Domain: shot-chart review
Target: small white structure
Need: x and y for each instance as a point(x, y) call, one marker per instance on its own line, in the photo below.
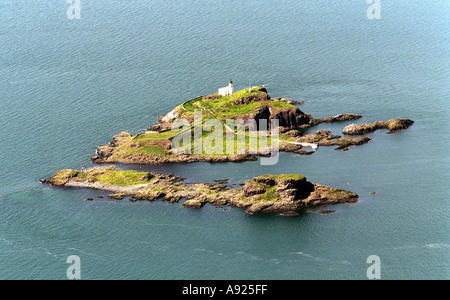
point(228, 90)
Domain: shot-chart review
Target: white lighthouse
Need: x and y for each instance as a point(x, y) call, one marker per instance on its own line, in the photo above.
point(228, 90)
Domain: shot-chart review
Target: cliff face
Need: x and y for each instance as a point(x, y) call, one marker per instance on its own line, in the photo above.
point(290, 118)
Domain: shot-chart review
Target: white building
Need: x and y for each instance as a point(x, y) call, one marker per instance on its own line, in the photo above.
point(228, 90)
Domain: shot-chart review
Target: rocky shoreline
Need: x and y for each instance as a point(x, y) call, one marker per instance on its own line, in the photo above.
point(265, 194)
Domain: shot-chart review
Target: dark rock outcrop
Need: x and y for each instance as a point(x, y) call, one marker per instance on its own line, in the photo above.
point(289, 118)
point(261, 113)
point(394, 125)
point(304, 152)
point(294, 187)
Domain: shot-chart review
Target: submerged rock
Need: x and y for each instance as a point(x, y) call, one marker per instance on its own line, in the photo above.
point(289, 214)
point(303, 152)
point(345, 143)
point(194, 204)
point(326, 211)
point(396, 125)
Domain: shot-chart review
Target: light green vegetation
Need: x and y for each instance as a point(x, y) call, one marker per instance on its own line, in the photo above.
point(269, 193)
point(285, 177)
point(156, 135)
point(115, 177)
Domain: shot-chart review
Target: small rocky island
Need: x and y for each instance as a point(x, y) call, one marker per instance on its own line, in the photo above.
point(154, 146)
point(265, 194)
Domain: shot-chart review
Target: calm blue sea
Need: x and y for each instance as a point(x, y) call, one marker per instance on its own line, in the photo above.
point(67, 86)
